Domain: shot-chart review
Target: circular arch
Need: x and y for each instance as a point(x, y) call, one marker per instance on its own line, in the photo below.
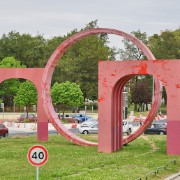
point(49, 69)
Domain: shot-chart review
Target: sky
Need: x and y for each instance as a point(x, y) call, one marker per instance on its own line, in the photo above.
point(58, 17)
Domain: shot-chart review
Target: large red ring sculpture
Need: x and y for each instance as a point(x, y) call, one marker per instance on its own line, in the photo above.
point(49, 69)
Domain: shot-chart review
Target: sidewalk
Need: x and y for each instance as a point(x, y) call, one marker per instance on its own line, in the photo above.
point(174, 177)
point(29, 127)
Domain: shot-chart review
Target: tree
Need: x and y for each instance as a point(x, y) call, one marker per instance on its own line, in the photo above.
point(131, 51)
point(66, 94)
point(80, 63)
point(165, 46)
point(26, 95)
point(141, 94)
point(24, 47)
point(9, 88)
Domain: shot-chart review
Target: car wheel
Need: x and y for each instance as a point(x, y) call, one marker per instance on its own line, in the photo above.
point(161, 133)
point(85, 132)
point(6, 135)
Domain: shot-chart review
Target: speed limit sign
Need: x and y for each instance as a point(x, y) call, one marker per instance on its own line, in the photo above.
point(37, 155)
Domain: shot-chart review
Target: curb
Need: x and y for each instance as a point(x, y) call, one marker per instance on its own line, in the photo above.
point(174, 177)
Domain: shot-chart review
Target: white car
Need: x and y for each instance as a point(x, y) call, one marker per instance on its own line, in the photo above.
point(93, 128)
point(126, 127)
point(88, 122)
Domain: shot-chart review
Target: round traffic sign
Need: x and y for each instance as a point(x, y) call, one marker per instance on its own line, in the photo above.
point(37, 155)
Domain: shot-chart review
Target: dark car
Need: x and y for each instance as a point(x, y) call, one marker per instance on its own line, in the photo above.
point(27, 118)
point(68, 118)
point(161, 121)
point(3, 130)
point(156, 129)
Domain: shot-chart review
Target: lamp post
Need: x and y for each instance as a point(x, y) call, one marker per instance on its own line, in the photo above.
point(2, 106)
point(125, 104)
point(85, 108)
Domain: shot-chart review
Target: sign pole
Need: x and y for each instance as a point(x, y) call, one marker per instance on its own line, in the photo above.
point(37, 156)
point(37, 172)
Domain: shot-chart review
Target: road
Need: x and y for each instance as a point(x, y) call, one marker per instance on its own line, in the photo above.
point(31, 128)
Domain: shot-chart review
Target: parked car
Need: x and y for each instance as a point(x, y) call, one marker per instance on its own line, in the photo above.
point(81, 117)
point(127, 128)
point(156, 129)
point(68, 118)
point(29, 118)
point(93, 128)
point(88, 122)
point(161, 121)
point(3, 130)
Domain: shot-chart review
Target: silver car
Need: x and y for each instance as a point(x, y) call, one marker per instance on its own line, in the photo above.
point(88, 122)
point(92, 129)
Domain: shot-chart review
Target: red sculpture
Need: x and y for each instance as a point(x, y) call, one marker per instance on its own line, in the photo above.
point(112, 79)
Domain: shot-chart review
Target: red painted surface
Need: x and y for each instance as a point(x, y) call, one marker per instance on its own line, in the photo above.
point(111, 127)
point(35, 76)
point(110, 110)
point(112, 78)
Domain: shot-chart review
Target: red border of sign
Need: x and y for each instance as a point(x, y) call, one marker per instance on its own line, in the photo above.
point(46, 155)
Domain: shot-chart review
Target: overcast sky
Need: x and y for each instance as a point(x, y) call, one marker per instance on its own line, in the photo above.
point(58, 17)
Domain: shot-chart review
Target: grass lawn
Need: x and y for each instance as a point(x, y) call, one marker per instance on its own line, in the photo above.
point(69, 161)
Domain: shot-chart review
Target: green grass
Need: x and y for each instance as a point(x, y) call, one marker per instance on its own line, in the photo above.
point(72, 162)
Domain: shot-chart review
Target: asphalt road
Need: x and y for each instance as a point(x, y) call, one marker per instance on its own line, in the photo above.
point(27, 130)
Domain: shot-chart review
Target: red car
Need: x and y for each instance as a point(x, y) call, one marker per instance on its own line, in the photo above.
point(3, 130)
point(29, 118)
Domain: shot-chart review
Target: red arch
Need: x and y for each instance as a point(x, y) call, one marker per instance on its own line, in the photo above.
point(49, 69)
point(32, 74)
point(35, 76)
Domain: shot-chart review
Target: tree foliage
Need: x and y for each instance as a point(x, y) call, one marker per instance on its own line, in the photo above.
point(131, 51)
point(80, 63)
point(141, 93)
point(26, 95)
point(166, 45)
point(66, 94)
point(28, 49)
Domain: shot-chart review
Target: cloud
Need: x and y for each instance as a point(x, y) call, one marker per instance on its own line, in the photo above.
point(54, 17)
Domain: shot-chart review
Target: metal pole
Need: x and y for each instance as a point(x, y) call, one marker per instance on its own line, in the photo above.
point(37, 172)
point(85, 112)
point(124, 113)
point(25, 115)
point(3, 114)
